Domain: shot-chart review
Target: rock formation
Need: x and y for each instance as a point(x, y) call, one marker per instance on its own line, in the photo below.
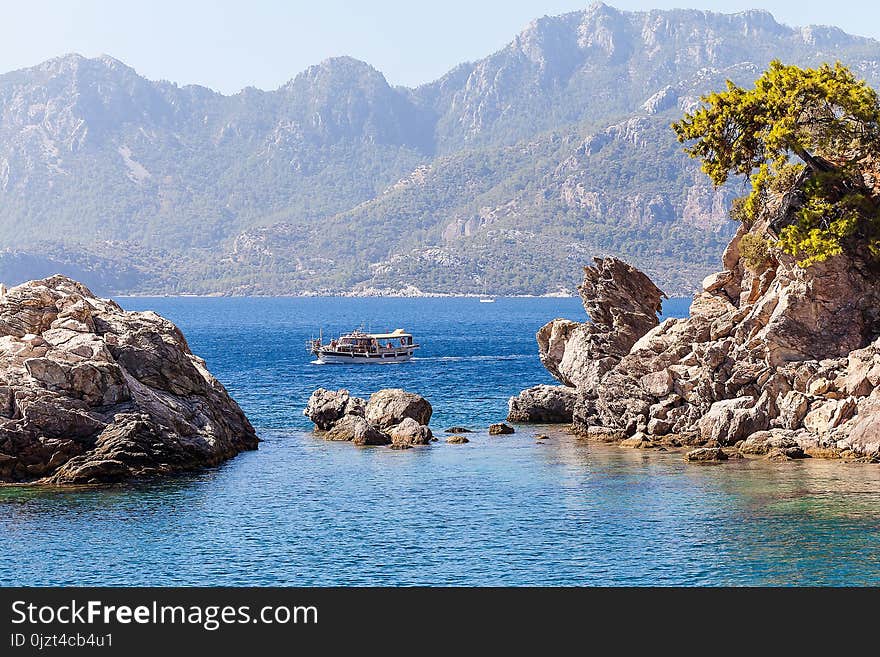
point(543, 403)
point(392, 417)
point(622, 304)
point(91, 393)
point(500, 429)
point(784, 358)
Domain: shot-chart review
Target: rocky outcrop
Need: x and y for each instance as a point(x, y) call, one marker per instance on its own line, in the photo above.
point(392, 417)
point(408, 433)
point(622, 304)
point(326, 407)
point(543, 404)
point(782, 357)
point(91, 393)
point(392, 406)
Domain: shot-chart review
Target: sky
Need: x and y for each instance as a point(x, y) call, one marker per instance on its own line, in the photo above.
point(227, 45)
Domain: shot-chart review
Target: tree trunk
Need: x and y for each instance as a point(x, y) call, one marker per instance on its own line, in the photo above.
point(816, 163)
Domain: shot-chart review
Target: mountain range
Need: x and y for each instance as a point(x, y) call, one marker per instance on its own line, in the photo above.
point(504, 176)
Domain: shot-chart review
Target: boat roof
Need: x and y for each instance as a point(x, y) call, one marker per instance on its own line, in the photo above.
point(397, 333)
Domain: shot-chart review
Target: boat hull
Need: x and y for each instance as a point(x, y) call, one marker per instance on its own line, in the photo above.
point(343, 358)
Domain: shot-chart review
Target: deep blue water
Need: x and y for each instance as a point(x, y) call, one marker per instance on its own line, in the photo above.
point(301, 511)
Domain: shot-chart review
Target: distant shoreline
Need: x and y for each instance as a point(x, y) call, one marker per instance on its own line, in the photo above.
point(330, 295)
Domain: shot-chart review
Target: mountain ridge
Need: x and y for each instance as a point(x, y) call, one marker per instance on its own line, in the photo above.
point(499, 174)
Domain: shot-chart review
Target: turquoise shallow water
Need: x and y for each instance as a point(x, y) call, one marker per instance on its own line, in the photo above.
point(497, 511)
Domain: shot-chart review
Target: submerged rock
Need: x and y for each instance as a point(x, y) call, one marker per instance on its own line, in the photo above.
point(500, 429)
point(91, 393)
point(458, 430)
point(706, 454)
point(543, 404)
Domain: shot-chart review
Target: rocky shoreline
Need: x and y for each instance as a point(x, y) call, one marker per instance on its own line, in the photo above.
point(775, 359)
point(90, 393)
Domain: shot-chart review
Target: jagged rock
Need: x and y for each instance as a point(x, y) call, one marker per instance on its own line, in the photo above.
point(658, 384)
point(622, 304)
point(357, 430)
point(603, 434)
point(500, 429)
point(703, 454)
point(829, 414)
point(366, 434)
point(457, 439)
point(717, 281)
point(552, 339)
point(92, 393)
point(792, 409)
point(391, 417)
point(343, 428)
point(458, 430)
point(730, 420)
point(864, 438)
point(389, 407)
point(409, 432)
point(786, 453)
point(543, 403)
point(326, 407)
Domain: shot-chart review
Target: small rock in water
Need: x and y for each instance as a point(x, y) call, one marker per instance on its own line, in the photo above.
point(457, 440)
point(409, 432)
point(499, 429)
point(706, 454)
point(458, 430)
point(541, 436)
point(786, 454)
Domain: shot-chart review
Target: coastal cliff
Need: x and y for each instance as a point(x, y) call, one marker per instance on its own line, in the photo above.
point(775, 358)
point(90, 393)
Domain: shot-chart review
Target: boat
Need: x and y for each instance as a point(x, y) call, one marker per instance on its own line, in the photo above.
point(361, 347)
point(487, 300)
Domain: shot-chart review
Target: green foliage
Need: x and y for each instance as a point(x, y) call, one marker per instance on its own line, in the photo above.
point(790, 111)
point(836, 212)
point(824, 116)
point(755, 251)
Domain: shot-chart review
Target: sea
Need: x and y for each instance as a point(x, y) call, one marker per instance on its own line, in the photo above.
point(506, 510)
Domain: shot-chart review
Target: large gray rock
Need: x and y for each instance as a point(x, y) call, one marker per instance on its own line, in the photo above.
point(543, 403)
point(392, 406)
point(92, 393)
point(326, 407)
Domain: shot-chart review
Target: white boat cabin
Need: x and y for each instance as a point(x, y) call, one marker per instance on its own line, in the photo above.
point(360, 347)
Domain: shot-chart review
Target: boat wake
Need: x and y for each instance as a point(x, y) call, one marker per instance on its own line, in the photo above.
point(480, 357)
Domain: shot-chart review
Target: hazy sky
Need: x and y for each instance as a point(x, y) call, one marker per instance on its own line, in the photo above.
point(227, 45)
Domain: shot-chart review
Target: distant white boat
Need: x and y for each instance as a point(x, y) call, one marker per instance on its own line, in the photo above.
point(487, 300)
